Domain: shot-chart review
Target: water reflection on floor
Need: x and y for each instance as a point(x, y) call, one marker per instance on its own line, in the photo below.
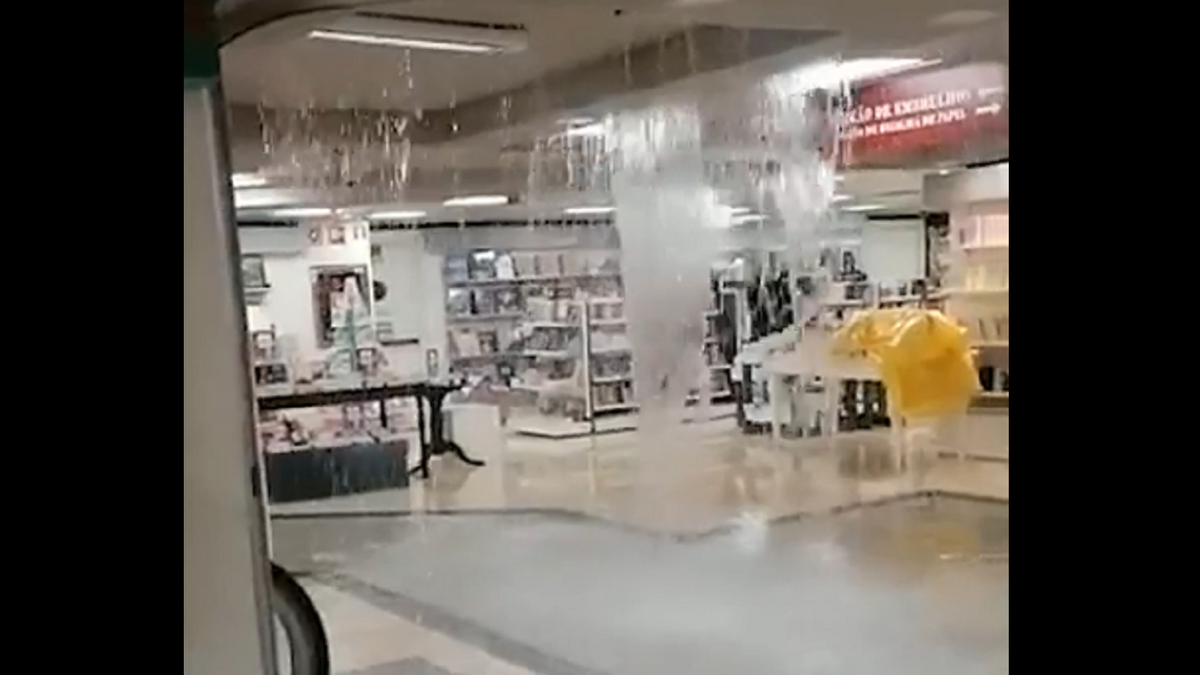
point(914, 586)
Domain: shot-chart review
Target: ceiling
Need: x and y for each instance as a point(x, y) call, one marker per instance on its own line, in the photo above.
point(353, 125)
point(286, 71)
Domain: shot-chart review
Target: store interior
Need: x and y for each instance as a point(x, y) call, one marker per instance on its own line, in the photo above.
point(594, 270)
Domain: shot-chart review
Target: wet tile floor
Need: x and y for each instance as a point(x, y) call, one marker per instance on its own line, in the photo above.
point(916, 586)
point(752, 558)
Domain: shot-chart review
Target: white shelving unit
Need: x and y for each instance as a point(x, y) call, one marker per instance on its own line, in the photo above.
point(603, 368)
point(977, 292)
point(488, 296)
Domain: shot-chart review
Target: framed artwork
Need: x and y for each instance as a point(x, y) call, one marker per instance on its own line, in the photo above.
point(338, 290)
point(254, 273)
point(337, 234)
point(314, 235)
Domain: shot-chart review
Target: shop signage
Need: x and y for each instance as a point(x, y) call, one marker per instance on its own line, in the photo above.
point(944, 114)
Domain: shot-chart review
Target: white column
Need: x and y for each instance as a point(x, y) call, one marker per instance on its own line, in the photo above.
point(227, 627)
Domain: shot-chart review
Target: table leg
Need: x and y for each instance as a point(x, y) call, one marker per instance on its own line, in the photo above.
point(437, 433)
point(421, 470)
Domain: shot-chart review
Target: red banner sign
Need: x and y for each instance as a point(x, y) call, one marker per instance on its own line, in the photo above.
point(929, 116)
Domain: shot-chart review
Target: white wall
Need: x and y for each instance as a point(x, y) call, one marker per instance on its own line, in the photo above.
point(287, 263)
point(288, 303)
point(415, 302)
point(893, 250)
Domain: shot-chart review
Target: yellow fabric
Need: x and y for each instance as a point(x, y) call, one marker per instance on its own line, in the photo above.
point(922, 355)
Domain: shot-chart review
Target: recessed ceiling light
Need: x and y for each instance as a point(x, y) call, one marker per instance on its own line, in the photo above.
point(396, 215)
point(943, 172)
point(302, 212)
point(862, 207)
point(589, 210)
point(477, 200)
point(248, 180)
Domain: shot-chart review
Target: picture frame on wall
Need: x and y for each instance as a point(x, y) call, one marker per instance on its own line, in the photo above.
point(314, 235)
point(337, 235)
point(330, 284)
point(254, 273)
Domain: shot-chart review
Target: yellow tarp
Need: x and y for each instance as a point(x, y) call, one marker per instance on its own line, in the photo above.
point(923, 357)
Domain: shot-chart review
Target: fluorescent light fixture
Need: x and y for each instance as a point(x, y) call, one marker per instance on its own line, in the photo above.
point(840, 198)
point(862, 207)
point(396, 215)
point(248, 180)
point(407, 43)
point(302, 212)
point(589, 210)
point(739, 210)
point(747, 218)
point(593, 129)
point(477, 200)
point(416, 33)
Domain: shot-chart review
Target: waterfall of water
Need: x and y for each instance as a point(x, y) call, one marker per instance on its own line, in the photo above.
point(669, 221)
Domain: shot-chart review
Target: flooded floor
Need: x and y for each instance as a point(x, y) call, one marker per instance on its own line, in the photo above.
point(914, 585)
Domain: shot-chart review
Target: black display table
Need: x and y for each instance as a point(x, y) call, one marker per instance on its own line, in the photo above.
point(431, 393)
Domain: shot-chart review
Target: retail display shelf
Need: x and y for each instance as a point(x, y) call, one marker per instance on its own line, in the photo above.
point(977, 268)
point(609, 379)
point(532, 279)
point(549, 354)
point(551, 386)
point(484, 318)
point(610, 350)
point(489, 356)
point(611, 407)
point(900, 299)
